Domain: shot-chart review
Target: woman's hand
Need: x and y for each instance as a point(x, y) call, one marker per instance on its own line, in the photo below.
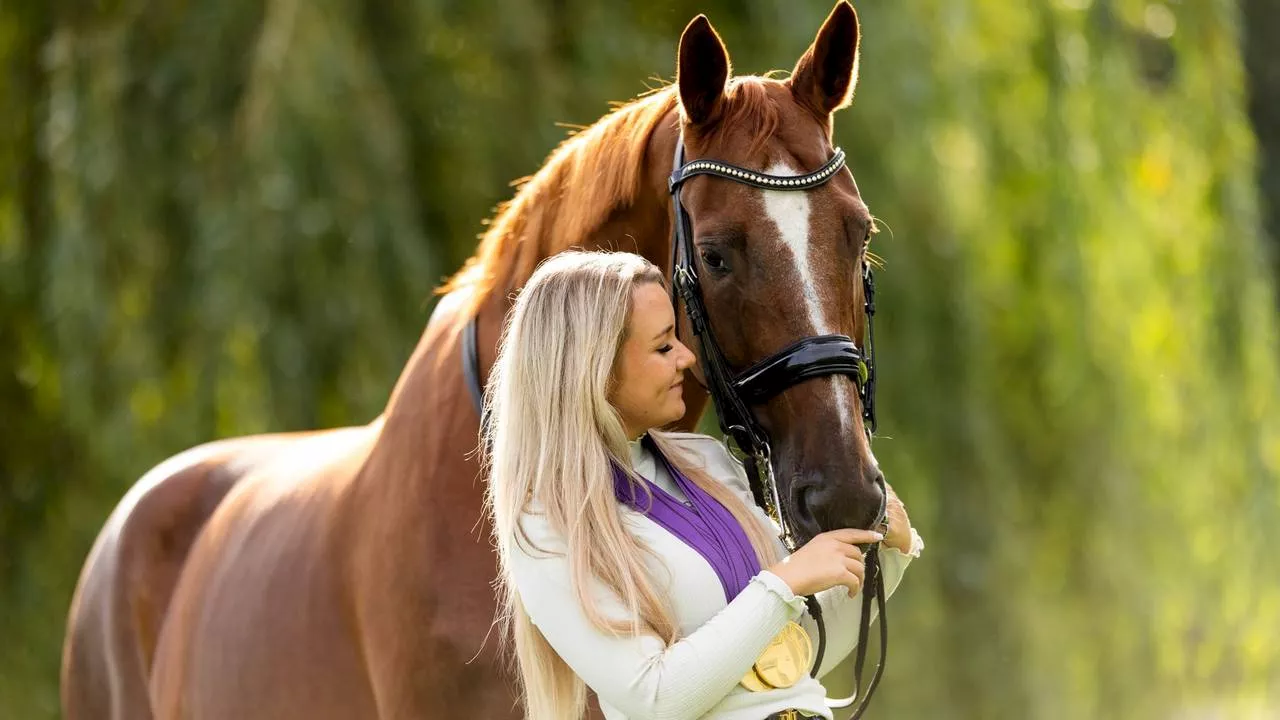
point(830, 559)
point(899, 535)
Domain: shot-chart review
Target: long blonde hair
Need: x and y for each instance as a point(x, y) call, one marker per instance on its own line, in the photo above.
point(549, 442)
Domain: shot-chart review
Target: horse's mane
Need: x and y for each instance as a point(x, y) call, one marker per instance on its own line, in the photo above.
point(588, 176)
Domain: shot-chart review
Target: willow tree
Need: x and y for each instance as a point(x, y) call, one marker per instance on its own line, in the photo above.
point(221, 218)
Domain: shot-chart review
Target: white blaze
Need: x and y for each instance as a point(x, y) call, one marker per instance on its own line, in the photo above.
point(789, 211)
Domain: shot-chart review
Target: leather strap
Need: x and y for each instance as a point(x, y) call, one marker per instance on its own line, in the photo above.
point(471, 366)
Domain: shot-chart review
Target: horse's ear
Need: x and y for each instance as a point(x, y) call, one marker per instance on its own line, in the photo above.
point(826, 74)
point(702, 71)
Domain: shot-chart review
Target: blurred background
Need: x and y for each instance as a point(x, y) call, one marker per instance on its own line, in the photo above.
point(220, 218)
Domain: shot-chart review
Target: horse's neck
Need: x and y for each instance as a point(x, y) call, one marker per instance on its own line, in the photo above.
point(643, 228)
point(431, 401)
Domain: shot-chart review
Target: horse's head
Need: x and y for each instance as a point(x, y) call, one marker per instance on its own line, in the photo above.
point(774, 266)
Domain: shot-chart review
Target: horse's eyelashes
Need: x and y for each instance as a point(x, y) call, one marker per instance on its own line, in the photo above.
point(858, 227)
point(713, 260)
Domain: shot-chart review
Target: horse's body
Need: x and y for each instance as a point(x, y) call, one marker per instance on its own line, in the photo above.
point(347, 573)
point(298, 574)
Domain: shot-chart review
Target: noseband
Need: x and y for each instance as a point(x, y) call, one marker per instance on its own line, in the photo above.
point(735, 392)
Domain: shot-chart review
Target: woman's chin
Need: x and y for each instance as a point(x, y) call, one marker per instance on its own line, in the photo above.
point(677, 410)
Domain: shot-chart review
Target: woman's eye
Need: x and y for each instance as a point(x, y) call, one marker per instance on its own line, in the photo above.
point(665, 349)
point(713, 260)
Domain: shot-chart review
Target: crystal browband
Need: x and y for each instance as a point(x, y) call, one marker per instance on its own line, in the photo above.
point(751, 177)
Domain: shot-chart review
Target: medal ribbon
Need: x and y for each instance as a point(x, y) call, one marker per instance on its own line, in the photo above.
point(707, 527)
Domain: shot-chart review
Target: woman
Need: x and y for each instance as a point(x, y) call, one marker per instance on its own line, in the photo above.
point(630, 558)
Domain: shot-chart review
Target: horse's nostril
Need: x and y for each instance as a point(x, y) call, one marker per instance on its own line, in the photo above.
point(803, 503)
point(804, 508)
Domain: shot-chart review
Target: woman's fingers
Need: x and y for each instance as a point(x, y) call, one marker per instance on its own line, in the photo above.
point(851, 551)
point(856, 567)
point(853, 536)
point(854, 583)
point(854, 571)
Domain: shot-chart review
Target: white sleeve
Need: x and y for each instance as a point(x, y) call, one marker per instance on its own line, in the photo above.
point(642, 676)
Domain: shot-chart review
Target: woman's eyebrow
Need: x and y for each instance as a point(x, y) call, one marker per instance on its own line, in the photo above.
point(665, 330)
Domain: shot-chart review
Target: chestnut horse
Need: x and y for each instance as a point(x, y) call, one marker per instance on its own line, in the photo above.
point(347, 573)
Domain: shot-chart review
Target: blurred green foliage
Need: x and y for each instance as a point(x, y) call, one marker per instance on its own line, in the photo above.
point(219, 218)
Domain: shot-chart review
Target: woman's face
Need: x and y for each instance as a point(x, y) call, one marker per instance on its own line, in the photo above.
point(649, 371)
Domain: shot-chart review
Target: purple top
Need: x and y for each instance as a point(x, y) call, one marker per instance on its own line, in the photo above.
point(706, 527)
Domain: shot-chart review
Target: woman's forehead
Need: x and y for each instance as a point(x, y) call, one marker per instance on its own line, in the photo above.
point(650, 311)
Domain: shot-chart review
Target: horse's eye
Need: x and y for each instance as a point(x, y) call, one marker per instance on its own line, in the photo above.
point(713, 260)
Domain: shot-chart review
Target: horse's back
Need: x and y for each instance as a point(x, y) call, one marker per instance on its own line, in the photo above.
point(127, 581)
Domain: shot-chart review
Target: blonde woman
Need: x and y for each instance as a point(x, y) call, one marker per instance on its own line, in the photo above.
point(631, 558)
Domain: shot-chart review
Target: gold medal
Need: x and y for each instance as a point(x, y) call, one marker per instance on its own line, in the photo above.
point(752, 681)
point(783, 662)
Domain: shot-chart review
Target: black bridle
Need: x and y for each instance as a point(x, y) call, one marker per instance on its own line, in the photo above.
point(735, 393)
point(810, 357)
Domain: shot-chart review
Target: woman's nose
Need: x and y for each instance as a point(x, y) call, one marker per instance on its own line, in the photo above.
point(686, 356)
